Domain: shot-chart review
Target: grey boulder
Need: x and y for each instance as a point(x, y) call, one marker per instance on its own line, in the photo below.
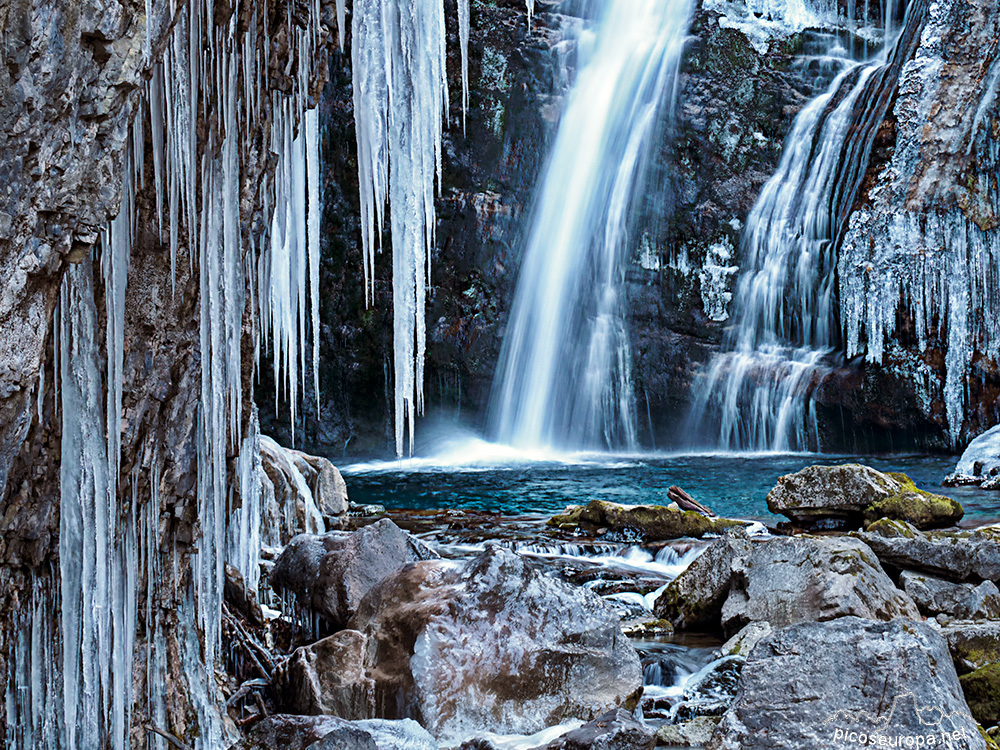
point(782, 581)
point(824, 684)
point(615, 730)
point(965, 601)
point(329, 574)
point(954, 555)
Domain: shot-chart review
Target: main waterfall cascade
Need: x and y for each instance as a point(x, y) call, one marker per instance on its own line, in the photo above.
point(785, 329)
point(564, 377)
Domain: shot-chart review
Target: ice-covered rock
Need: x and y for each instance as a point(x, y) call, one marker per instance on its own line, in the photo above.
point(494, 646)
point(298, 491)
point(782, 581)
point(327, 677)
point(329, 574)
point(980, 462)
point(614, 730)
point(810, 685)
point(964, 601)
point(290, 732)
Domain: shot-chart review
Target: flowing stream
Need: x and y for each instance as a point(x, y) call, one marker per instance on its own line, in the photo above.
point(564, 378)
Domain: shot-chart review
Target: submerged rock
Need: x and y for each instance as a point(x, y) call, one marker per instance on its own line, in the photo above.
point(649, 522)
point(954, 555)
point(840, 497)
point(330, 573)
point(289, 732)
point(810, 685)
point(782, 581)
point(492, 645)
point(935, 596)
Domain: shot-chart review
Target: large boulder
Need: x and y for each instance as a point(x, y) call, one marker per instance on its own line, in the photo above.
point(327, 677)
point(491, 645)
point(825, 684)
point(954, 555)
point(782, 581)
point(934, 596)
point(289, 732)
point(649, 522)
point(850, 495)
point(328, 574)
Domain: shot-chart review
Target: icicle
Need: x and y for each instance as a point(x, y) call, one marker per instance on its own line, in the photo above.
point(531, 11)
point(342, 21)
point(463, 36)
point(313, 168)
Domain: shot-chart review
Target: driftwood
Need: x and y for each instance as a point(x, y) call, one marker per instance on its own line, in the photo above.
point(260, 656)
point(168, 737)
point(686, 502)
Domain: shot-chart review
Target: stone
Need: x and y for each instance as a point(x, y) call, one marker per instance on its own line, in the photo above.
point(982, 691)
point(648, 522)
point(956, 556)
point(239, 598)
point(493, 645)
point(980, 461)
point(972, 644)
point(694, 733)
point(810, 684)
point(744, 641)
point(614, 730)
point(694, 599)
point(327, 677)
point(291, 493)
point(330, 573)
point(290, 732)
point(964, 601)
point(842, 497)
point(782, 580)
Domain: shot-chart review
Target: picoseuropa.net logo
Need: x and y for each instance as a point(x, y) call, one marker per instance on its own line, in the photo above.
point(907, 724)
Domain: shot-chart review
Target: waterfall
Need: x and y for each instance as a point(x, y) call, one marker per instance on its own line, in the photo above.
point(757, 393)
point(564, 375)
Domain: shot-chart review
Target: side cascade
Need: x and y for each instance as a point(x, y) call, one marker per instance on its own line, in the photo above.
point(758, 393)
point(565, 371)
point(927, 250)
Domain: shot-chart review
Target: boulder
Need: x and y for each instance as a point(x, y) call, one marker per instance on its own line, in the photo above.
point(711, 690)
point(694, 599)
point(240, 598)
point(327, 677)
point(973, 644)
point(493, 645)
point(823, 684)
point(781, 581)
point(694, 733)
point(288, 732)
point(328, 574)
point(744, 641)
point(289, 494)
point(846, 496)
point(980, 462)
point(964, 601)
point(614, 730)
point(982, 691)
point(649, 522)
point(954, 555)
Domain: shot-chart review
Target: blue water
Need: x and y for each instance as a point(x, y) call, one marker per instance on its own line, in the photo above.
point(731, 485)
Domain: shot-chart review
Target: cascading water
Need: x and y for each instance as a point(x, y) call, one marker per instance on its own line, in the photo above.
point(564, 376)
point(758, 392)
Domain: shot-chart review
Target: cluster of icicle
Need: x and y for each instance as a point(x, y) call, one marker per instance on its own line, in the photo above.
point(940, 263)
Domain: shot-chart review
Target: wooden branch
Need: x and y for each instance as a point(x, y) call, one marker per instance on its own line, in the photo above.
point(686, 502)
point(168, 737)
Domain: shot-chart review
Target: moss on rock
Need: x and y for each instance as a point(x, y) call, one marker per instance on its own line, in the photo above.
point(982, 692)
point(650, 522)
point(923, 509)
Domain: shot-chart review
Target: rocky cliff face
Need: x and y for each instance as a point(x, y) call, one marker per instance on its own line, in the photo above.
point(89, 130)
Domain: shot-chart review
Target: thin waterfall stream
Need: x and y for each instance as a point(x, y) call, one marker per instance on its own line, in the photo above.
point(757, 393)
point(564, 378)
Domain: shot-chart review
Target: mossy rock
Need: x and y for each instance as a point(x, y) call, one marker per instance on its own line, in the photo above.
point(924, 510)
point(982, 692)
point(650, 522)
point(892, 529)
